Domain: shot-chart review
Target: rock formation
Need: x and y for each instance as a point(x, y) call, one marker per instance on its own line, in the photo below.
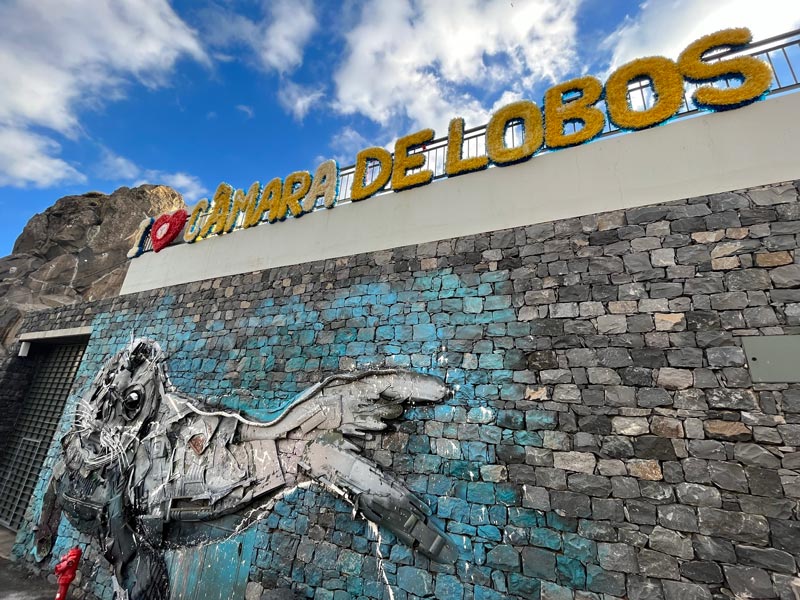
point(75, 251)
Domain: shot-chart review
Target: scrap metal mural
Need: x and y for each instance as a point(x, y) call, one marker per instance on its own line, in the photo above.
point(143, 462)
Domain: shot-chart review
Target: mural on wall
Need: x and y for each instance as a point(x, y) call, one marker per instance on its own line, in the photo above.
point(142, 461)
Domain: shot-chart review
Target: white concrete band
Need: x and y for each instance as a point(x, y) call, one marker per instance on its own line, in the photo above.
point(747, 147)
point(40, 336)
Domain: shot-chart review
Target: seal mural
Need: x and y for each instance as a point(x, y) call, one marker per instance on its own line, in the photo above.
point(143, 463)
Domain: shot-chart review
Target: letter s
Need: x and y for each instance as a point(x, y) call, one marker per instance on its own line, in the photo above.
point(755, 76)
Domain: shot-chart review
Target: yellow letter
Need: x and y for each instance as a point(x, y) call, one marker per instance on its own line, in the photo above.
point(294, 187)
point(243, 204)
point(667, 84)
point(325, 185)
point(192, 231)
point(404, 162)
point(257, 210)
point(220, 208)
point(532, 133)
point(454, 163)
point(755, 75)
point(557, 112)
point(362, 190)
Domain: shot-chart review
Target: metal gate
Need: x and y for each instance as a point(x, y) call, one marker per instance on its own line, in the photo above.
point(35, 426)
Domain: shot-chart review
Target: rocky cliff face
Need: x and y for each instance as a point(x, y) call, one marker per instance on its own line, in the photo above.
point(74, 251)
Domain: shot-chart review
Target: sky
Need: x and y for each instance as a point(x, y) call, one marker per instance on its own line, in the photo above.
point(102, 94)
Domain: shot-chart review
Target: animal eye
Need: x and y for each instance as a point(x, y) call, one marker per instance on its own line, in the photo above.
point(132, 403)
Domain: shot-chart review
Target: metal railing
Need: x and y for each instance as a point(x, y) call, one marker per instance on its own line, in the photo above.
point(781, 53)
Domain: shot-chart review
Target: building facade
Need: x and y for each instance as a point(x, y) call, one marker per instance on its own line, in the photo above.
point(610, 433)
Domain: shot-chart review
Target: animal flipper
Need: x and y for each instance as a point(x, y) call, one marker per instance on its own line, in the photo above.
point(331, 460)
point(138, 567)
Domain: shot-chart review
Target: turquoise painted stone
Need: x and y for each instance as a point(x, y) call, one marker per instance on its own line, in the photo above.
point(415, 581)
point(462, 529)
point(579, 547)
point(527, 587)
point(508, 494)
point(525, 517)
point(503, 557)
point(449, 586)
point(483, 493)
point(546, 538)
point(455, 509)
point(485, 593)
point(490, 532)
point(570, 572)
point(556, 521)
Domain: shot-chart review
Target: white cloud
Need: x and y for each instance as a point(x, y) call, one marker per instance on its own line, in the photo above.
point(422, 60)
point(665, 27)
point(346, 144)
point(57, 58)
point(120, 169)
point(29, 158)
point(277, 39)
point(246, 110)
point(117, 168)
point(298, 99)
point(190, 187)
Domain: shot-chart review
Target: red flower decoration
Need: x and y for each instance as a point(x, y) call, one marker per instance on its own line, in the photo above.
point(166, 228)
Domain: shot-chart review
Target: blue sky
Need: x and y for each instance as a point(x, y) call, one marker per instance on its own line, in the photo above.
point(96, 95)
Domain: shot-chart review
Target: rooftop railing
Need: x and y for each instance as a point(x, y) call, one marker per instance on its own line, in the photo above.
point(781, 53)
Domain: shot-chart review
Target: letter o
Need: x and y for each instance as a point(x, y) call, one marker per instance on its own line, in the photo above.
point(668, 90)
point(533, 133)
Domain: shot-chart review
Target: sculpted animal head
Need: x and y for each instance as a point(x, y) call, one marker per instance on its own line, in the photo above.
point(111, 418)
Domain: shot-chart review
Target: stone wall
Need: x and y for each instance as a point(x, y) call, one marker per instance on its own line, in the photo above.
point(604, 439)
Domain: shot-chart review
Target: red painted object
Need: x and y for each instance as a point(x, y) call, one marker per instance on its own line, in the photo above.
point(65, 571)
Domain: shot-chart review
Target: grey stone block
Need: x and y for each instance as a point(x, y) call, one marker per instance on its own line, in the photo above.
point(702, 571)
point(758, 279)
point(716, 549)
point(767, 558)
point(725, 356)
point(640, 512)
point(671, 542)
point(764, 482)
point(657, 491)
point(539, 563)
point(732, 399)
point(728, 476)
point(677, 517)
point(785, 535)
point(591, 485)
point(654, 447)
point(604, 582)
point(553, 591)
point(749, 582)
point(696, 494)
point(674, 590)
point(733, 525)
point(570, 504)
point(608, 509)
point(658, 564)
point(617, 557)
point(785, 277)
point(644, 589)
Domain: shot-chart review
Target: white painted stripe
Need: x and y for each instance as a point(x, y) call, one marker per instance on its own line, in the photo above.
point(55, 333)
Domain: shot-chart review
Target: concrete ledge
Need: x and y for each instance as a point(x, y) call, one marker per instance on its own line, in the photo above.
point(39, 336)
point(712, 153)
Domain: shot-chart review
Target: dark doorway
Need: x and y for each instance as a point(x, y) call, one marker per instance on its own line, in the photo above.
point(35, 426)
